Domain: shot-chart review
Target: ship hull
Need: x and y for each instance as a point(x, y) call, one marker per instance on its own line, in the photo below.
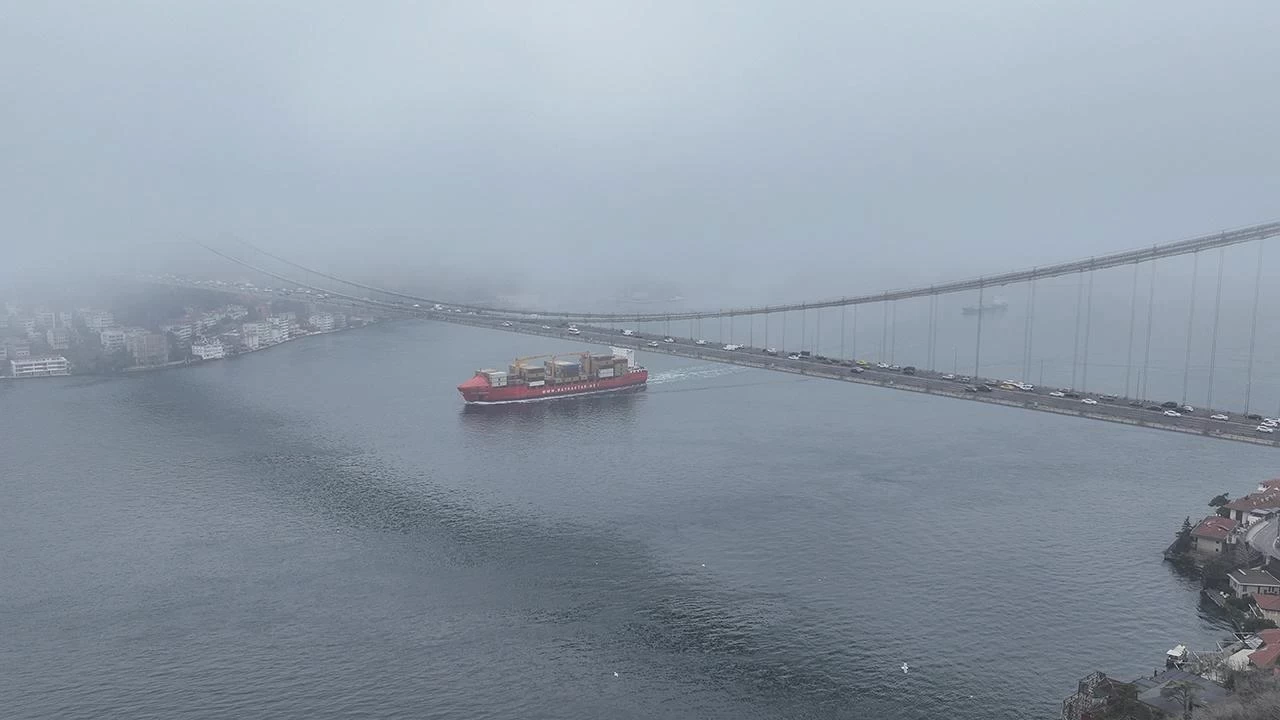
point(477, 394)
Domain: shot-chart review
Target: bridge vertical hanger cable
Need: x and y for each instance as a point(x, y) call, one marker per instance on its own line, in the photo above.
point(1026, 336)
point(928, 361)
point(1075, 352)
point(766, 329)
point(1213, 343)
point(884, 332)
point(1145, 379)
point(933, 354)
point(1191, 316)
point(751, 331)
point(977, 345)
point(1133, 309)
point(784, 332)
point(731, 317)
point(817, 336)
point(1253, 331)
point(893, 333)
point(804, 321)
point(844, 314)
point(855, 332)
point(1088, 320)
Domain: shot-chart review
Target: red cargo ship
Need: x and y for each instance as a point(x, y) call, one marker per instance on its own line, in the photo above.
point(563, 375)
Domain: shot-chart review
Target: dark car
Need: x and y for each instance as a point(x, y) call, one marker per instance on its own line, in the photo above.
point(1108, 398)
point(965, 379)
point(1254, 416)
point(1135, 403)
point(909, 370)
point(984, 388)
point(856, 370)
point(1171, 405)
point(970, 388)
point(1071, 394)
point(1155, 407)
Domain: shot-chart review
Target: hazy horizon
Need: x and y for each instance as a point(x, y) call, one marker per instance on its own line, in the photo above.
point(758, 152)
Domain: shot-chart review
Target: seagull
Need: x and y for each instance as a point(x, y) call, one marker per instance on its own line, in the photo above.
point(615, 673)
point(905, 668)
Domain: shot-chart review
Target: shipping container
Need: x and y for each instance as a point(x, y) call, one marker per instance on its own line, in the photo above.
point(605, 373)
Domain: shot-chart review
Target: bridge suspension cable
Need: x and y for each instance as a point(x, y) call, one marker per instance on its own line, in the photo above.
point(1193, 245)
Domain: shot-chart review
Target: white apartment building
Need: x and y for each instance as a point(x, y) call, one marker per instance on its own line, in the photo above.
point(40, 367)
point(322, 322)
point(208, 350)
point(58, 338)
point(112, 340)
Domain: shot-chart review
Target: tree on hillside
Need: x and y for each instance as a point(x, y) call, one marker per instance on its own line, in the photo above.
point(1183, 541)
point(1219, 500)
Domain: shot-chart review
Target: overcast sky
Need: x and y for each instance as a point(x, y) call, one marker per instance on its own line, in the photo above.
point(769, 148)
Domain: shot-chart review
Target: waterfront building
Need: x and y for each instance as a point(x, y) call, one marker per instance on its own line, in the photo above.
point(208, 350)
point(112, 340)
point(182, 331)
point(1253, 582)
point(1256, 506)
point(58, 338)
point(1269, 607)
point(1211, 535)
point(147, 348)
point(39, 367)
point(322, 322)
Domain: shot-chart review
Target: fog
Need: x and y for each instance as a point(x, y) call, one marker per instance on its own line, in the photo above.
point(728, 151)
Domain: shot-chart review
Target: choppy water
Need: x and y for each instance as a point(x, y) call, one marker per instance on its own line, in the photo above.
point(321, 531)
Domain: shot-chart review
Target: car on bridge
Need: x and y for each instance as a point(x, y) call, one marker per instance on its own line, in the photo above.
point(506, 323)
point(668, 339)
point(1089, 401)
point(1219, 416)
point(1172, 413)
point(699, 342)
point(771, 351)
point(1057, 393)
point(652, 343)
point(1265, 429)
point(629, 333)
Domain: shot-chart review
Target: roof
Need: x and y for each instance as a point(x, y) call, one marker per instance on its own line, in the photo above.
point(1269, 498)
point(1207, 692)
point(1270, 603)
point(1214, 527)
point(1270, 651)
point(1268, 484)
point(1253, 577)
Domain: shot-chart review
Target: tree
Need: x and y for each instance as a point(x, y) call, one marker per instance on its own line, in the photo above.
point(1219, 500)
point(1183, 541)
point(1183, 692)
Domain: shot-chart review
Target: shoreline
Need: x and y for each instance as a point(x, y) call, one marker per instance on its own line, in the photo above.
point(193, 362)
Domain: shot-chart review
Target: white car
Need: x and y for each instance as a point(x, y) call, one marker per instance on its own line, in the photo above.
point(699, 342)
point(506, 323)
point(668, 339)
point(1057, 393)
point(652, 343)
point(1172, 413)
point(882, 365)
point(771, 351)
point(1265, 429)
point(1270, 421)
point(732, 347)
point(1188, 409)
point(546, 327)
point(1219, 416)
point(574, 331)
point(793, 356)
point(949, 376)
point(629, 333)
point(1089, 401)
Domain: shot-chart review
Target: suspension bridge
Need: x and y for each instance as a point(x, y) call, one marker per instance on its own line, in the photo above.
point(791, 337)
